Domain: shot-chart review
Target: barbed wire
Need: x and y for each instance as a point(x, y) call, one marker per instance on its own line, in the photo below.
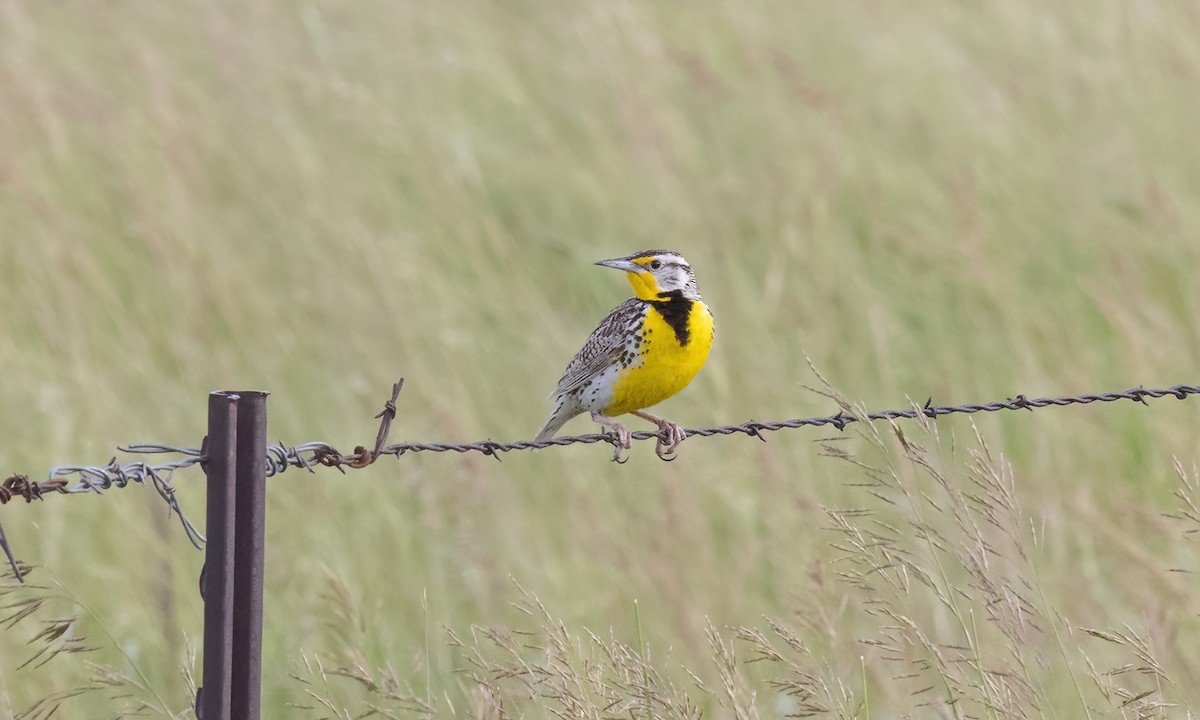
point(319, 453)
point(309, 455)
point(97, 478)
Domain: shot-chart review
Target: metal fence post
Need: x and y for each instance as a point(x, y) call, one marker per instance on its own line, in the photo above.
point(248, 559)
point(216, 579)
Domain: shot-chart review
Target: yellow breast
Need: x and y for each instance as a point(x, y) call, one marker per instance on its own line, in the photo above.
point(667, 365)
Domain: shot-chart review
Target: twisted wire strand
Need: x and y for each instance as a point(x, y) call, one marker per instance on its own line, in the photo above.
point(98, 478)
point(309, 455)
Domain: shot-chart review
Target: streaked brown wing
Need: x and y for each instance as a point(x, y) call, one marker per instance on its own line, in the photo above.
point(603, 346)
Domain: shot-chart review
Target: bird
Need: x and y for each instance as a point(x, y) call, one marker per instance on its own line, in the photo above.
point(646, 350)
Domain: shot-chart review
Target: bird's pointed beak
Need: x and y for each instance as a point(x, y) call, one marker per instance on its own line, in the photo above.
point(621, 264)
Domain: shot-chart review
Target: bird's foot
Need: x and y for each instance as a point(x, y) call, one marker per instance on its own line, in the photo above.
point(621, 441)
point(618, 435)
point(670, 435)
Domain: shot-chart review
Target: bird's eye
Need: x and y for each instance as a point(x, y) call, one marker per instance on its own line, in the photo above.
point(655, 264)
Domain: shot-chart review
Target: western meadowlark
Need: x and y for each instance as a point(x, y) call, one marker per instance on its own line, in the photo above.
point(646, 350)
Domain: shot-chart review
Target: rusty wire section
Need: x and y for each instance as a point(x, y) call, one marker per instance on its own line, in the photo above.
point(309, 455)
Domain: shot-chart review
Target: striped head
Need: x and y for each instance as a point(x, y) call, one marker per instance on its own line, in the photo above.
point(656, 274)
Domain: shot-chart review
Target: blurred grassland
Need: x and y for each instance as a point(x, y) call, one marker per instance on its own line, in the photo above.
point(963, 202)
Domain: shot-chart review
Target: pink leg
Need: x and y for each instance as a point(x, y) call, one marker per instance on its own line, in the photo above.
point(670, 435)
point(621, 439)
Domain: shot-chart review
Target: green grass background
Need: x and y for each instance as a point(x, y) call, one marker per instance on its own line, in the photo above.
point(958, 201)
